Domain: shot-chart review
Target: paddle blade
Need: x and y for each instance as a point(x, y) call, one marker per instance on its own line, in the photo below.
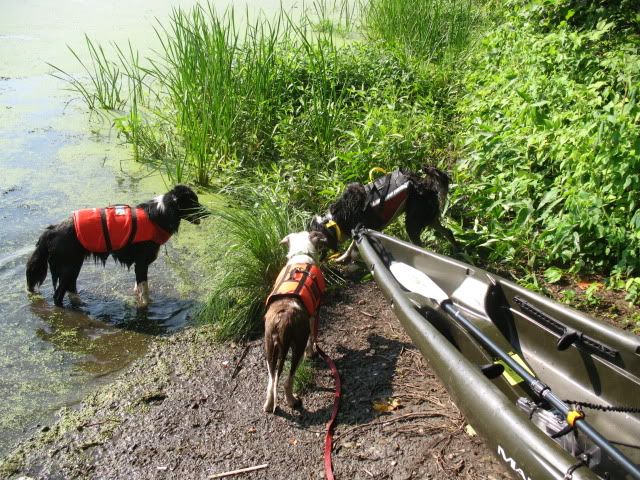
point(417, 282)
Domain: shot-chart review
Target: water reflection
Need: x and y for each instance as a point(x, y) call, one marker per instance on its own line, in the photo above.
point(102, 347)
point(108, 332)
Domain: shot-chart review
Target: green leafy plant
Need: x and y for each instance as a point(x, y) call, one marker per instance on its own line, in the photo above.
point(549, 140)
point(553, 274)
point(632, 287)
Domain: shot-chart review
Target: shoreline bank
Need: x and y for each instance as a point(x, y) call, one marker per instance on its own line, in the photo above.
point(180, 410)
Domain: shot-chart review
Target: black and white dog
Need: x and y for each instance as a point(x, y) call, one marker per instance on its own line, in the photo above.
point(376, 204)
point(130, 235)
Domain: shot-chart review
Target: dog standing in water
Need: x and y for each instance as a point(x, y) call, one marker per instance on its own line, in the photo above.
point(290, 319)
point(377, 204)
point(130, 235)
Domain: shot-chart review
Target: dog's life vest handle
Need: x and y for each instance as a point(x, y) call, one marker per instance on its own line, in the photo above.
point(301, 280)
point(376, 170)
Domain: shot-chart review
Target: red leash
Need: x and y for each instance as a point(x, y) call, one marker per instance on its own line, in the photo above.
point(328, 438)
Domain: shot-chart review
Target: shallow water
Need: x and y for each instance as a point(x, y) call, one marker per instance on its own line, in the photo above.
point(53, 160)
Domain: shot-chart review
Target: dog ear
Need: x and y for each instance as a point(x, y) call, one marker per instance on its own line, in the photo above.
point(285, 240)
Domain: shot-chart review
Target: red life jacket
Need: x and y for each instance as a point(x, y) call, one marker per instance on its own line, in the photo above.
point(302, 280)
point(387, 196)
point(104, 230)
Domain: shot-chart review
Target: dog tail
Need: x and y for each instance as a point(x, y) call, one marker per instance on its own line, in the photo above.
point(276, 367)
point(37, 263)
point(281, 349)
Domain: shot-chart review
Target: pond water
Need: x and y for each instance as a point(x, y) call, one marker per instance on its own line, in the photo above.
point(53, 160)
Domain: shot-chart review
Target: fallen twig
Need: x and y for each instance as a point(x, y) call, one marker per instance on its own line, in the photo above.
point(239, 471)
point(244, 354)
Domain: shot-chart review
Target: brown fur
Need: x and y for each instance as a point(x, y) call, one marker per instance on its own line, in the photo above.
point(287, 326)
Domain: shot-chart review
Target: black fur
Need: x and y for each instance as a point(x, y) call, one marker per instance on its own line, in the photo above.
point(60, 248)
point(426, 196)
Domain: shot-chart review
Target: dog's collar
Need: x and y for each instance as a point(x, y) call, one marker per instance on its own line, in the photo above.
point(332, 224)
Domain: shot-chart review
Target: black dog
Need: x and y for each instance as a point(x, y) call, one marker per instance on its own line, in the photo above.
point(378, 203)
point(130, 235)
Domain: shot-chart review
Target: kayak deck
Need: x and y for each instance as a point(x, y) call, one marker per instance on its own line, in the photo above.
point(579, 358)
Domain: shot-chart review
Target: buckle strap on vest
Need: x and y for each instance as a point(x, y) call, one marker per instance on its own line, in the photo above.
point(379, 192)
point(134, 226)
point(300, 280)
point(105, 229)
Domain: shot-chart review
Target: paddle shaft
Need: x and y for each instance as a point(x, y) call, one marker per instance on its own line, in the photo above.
point(542, 390)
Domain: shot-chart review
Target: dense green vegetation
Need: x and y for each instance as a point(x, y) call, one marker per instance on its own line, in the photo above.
point(550, 170)
point(532, 105)
point(283, 100)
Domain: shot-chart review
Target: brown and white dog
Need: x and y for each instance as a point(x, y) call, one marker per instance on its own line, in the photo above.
point(291, 316)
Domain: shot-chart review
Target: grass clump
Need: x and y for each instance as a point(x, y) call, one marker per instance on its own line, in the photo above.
point(304, 379)
point(104, 89)
point(247, 257)
point(429, 29)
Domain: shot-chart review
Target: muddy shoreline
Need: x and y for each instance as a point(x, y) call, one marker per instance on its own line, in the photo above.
point(191, 408)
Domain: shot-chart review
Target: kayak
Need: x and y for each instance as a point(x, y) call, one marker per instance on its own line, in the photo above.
point(554, 393)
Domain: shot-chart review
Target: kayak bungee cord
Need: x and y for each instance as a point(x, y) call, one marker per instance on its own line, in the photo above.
point(429, 289)
point(573, 417)
point(603, 408)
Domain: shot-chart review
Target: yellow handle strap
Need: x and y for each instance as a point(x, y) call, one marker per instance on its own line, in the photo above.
point(374, 170)
point(339, 233)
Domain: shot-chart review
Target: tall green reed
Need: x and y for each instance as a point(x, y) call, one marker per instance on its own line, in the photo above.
point(105, 79)
point(248, 257)
point(196, 71)
point(430, 29)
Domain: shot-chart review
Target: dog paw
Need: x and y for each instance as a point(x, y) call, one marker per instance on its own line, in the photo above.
point(294, 402)
point(142, 295)
point(142, 304)
point(269, 407)
point(311, 351)
point(75, 299)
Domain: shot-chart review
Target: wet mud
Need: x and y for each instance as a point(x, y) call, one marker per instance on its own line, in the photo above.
point(191, 408)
